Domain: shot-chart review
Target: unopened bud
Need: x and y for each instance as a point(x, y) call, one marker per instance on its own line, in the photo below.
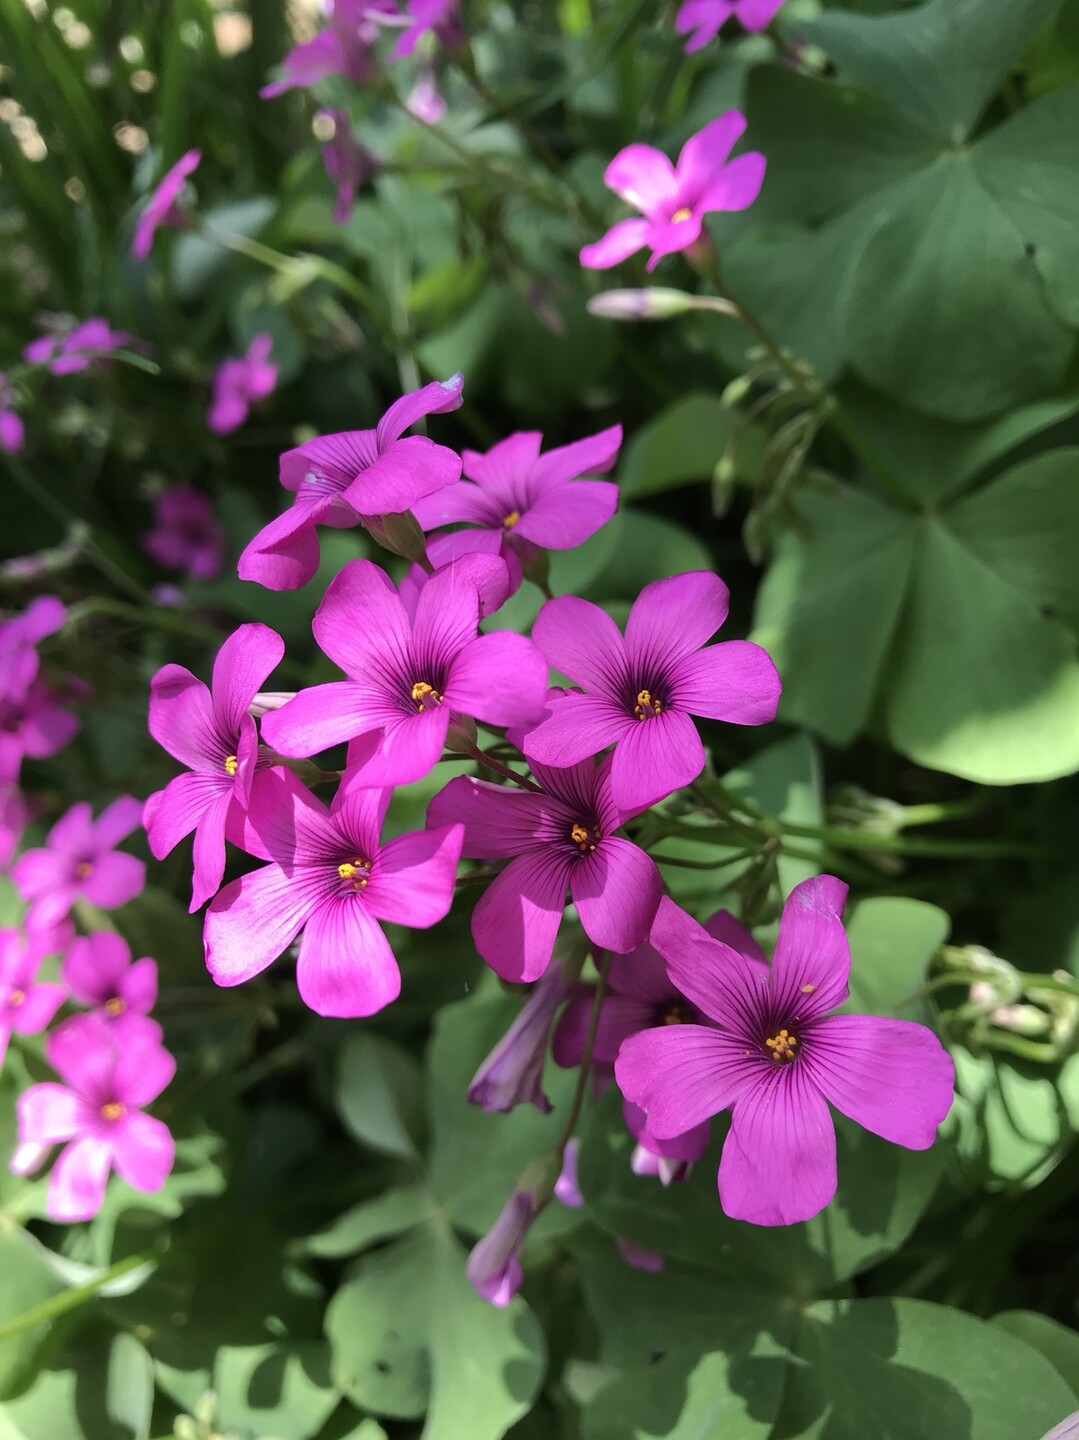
point(267, 700)
point(400, 535)
point(653, 304)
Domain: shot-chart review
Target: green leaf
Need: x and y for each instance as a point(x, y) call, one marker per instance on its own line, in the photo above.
point(645, 547)
point(197, 258)
point(408, 1334)
point(1008, 1122)
point(913, 1370)
point(379, 1095)
point(1057, 1343)
point(386, 1215)
point(129, 1386)
point(27, 1284)
point(275, 1390)
point(682, 444)
point(892, 941)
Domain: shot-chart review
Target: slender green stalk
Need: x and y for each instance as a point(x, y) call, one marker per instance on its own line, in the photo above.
point(73, 1297)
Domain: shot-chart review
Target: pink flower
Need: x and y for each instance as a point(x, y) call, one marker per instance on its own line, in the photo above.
point(27, 1004)
point(238, 383)
point(407, 677)
point(163, 208)
point(675, 199)
point(776, 1057)
point(13, 817)
point(563, 840)
point(80, 860)
point(186, 534)
point(67, 354)
point(708, 17)
point(332, 878)
point(349, 164)
point(425, 100)
point(342, 48)
point(32, 721)
point(99, 1110)
point(641, 691)
point(440, 17)
point(494, 1267)
point(12, 432)
point(670, 1160)
point(211, 732)
point(339, 479)
point(474, 552)
point(99, 973)
point(526, 500)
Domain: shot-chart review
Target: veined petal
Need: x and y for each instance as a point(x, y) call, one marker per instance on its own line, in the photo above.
point(405, 472)
point(77, 1183)
point(619, 1018)
point(506, 470)
point(498, 821)
point(450, 506)
point(182, 718)
point(49, 1113)
point(516, 920)
point(143, 1152)
point(576, 727)
point(589, 456)
point(346, 967)
point(362, 625)
point(704, 155)
point(643, 177)
point(208, 854)
point(243, 665)
point(176, 810)
point(672, 618)
point(253, 921)
point(653, 758)
point(284, 553)
point(616, 890)
point(811, 961)
point(726, 985)
point(499, 678)
point(447, 614)
point(405, 751)
point(412, 883)
point(567, 515)
point(778, 1163)
point(893, 1077)
point(722, 926)
point(620, 242)
point(433, 399)
point(291, 826)
point(735, 681)
point(583, 642)
point(326, 715)
point(681, 1075)
point(736, 186)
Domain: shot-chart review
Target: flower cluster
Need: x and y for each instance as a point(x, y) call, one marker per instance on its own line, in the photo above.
point(108, 1052)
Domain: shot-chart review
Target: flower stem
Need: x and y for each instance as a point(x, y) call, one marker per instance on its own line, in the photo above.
point(603, 965)
point(492, 764)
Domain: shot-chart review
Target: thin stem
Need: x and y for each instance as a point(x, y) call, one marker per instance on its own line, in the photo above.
point(603, 965)
point(702, 864)
point(72, 1298)
point(475, 753)
point(846, 839)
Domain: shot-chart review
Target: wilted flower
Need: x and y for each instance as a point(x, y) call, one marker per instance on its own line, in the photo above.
point(513, 1072)
point(239, 382)
point(163, 208)
point(348, 163)
point(675, 199)
point(494, 1266)
point(186, 534)
point(79, 859)
point(780, 1057)
point(706, 18)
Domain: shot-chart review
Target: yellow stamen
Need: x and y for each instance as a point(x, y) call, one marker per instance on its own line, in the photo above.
point(350, 869)
point(511, 519)
point(83, 870)
point(583, 838)
point(420, 692)
point(808, 989)
point(113, 1110)
point(115, 1006)
point(16, 998)
point(646, 705)
point(782, 1045)
point(679, 215)
point(232, 764)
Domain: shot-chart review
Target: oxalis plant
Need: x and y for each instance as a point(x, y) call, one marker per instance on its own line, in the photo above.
point(559, 919)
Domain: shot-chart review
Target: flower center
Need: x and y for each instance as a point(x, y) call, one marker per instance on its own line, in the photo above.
point(83, 870)
point(679, 215)
point(676, 1014)
point(232, 764)
point(112, 1110)
point(511, 519)
point(424, 695)
point(782, 1046)
point(646, 705)
point(16, 998)
point(356, 872)
point(585, 838)
point(115, 1006)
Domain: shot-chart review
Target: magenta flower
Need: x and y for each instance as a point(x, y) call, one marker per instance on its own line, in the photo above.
point(339, 479)
point(239, 382)
point(32, 721)
point(342, 48)
point(527, 500)
point(186, 534)
point(513, 1072)
point(27, 1004)
point(211, 732)
point(780, 1057)
point(674, 199)
point(642, 690)
point(80, 861)
point(708, 17)
point(475, 553)
point(12, 431)
point(163, 206)
point(331, 877)
point(566, 1189)
point(493, 1266)
point(99, 1110)
point(67, 354)
point(440, 17)
point(563, 840)
point(407, 677)
point(13, 814)
point(349, 164)
point(99, 973)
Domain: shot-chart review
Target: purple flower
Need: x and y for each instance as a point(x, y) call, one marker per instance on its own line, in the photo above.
point(526, 500)
point(331, 877)
point(474, 552)
point(67, 354)
point(238, 383)
point(186, 534)
point(513, 1072)
point(407, 677)
point(349, 164)
point(12, 431)
point(211, 732)
point(162, 207)
point(640, 1257)
point(780, 1058)
point(674, 199)
point(26, 1004)
point(668, 1161)
point(441, 17)
point(339, 479)
point(642, 690)
point(80, 861)
point(99, 1109)
point(13, 815)
point(32, 721)
point(425, 100)
point(493, 1267)
point(562, 839)
point(566, 1188)
point(708, 17)
point(98, 973)
point(342, 48)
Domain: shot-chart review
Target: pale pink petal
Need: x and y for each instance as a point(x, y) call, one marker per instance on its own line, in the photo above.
point(735, 681)
point(143, 1151)
point(583, 642)
point(115, 878)
point(575, 728)
point(565, 517)
point(499, 678)
point(705, 154)
point(891, 1076)
point(77, 1183)
point(516, 920)
point(811, 961)
point(49, 1113)
point(728, 986)
point(499, 820)
point(643, 177)
point(253, 921)
point(413, 879)
point(346, 967)
point(616, 890)
point(243, 665)
point(681, 1075)
point(737, 186)
point(620, 241)
point(653, 758)
point(778, 1165)
point(672, 618)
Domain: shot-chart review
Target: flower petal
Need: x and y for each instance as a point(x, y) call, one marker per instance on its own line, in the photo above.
point(505, 472)
point(704, 155)
point(253, 921)
point(405, 751)
point(681, 1075)
point(620, 241)
point(891, 1076)
point(115, 879)
point(737, 185)
point(434, 399)
point(726, 985)
point(498, 821)
point(117, 821)
point(346, 967)
point(674, 617)
point(464, 502)
point(735, 681)
point(38, 1008)
point(182, 718)
point(589, 456)
point(77, 1183)
point(325, 715)
point(404, 473)
point(619, 1018)
point(583, 642)
point(413, 878)
point(778, 1163)
point(643, 177)
point(447, 614)
point(95, 966)
point(138, 987)
point(49, 1113)
point(653, 758)
point(722, 926)
point(516, 920)
point(143, 1151)
point(576, 727)
point(284, 554)
point(174, 812)
point(208, 855)
point(362, 625)
point(811, 961)
point(616, 890)
point(143, 1070)
point(243, 665)
point(565, 517)
point(499, 678)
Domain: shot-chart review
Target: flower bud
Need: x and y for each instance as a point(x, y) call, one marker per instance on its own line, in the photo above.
point(656, 303)
point(513, 1072)
point(493, 1268)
